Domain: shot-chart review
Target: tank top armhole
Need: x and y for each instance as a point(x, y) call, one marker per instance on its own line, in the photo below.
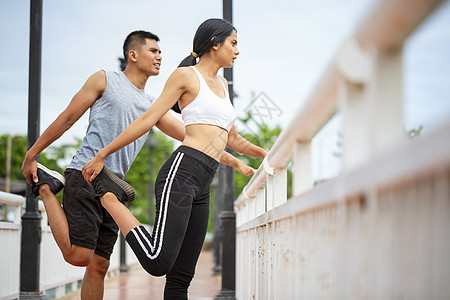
point(107, 81)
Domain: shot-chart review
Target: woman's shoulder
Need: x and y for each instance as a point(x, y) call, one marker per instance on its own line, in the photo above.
point(183, 71)
point(184, 75)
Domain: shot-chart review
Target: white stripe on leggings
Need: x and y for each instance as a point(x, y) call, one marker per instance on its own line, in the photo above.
point(162, 216)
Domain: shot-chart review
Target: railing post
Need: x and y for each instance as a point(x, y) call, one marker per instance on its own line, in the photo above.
point(31, 227)
point(355, 67)
point(280, 186)
point(370, 96)
point(301, 177)
point(386, 101)
point(355, 149)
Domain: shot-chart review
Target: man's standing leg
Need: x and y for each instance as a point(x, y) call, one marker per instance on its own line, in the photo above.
point(94, 278)
point(93, 282)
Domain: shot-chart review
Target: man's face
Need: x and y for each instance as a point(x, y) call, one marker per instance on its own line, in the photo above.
point(149, 57)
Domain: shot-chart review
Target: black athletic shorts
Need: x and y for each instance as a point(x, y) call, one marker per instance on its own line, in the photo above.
point(90, 225)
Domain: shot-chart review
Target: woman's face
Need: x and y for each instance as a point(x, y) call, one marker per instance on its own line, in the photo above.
point(228, 51)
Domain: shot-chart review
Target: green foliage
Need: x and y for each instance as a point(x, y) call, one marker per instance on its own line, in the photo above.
point(18, 150)
point(51, 157)
point(265, 137)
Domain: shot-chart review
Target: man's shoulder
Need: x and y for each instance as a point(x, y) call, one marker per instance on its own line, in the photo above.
point(109, 73)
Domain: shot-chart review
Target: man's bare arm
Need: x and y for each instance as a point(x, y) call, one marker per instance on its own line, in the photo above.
point(80, 103)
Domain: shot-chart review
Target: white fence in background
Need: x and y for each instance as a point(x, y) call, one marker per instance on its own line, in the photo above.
point(381, 229)
point(56, 275)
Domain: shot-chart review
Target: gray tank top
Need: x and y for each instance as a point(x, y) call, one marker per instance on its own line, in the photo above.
point(121, 103)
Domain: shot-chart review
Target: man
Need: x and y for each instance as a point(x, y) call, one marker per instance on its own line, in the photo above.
point(83, 230)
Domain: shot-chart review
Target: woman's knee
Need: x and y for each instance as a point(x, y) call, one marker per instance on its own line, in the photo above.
point(177, 284)
point(155, 270)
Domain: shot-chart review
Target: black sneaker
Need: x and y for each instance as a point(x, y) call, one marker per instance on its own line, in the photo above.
point(46, 176)
point(107, 181)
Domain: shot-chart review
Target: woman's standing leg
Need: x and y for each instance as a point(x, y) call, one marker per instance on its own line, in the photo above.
point(174, 195)
point(182, 272)
point(157, 252)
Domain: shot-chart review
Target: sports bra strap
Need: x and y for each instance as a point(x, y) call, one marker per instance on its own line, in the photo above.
point(224, 87)
point(196, 71)
point(200, 77)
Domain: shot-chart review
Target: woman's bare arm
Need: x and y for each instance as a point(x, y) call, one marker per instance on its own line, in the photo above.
point(173, 90)
point(241, 145)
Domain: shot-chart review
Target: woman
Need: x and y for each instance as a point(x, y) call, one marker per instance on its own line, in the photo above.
point(183, 183)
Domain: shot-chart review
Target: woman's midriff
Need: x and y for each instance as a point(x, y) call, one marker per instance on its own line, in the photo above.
point(208, 139)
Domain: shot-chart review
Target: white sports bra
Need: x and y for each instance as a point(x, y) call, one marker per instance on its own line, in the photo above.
point(208, 108)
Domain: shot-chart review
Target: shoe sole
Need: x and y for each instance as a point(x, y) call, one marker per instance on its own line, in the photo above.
point(52, 173)
point(129, 191)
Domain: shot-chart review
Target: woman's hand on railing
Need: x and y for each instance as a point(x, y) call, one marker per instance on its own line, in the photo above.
point(244, 169)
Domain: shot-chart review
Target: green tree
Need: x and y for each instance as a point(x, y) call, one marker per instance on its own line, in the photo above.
point(264, 137)
point(139, 176)
point(18, 149)
point(52, 157)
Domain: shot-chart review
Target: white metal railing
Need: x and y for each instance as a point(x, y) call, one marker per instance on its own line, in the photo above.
point(10, 246)
point(379, 229)
point(55, 273)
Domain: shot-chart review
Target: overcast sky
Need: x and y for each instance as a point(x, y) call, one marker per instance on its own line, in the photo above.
point(284, 48)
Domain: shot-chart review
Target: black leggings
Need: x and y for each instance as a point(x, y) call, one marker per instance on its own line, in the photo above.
point(182, 210)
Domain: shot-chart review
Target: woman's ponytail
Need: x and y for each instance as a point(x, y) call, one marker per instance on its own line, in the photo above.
point(190, 60)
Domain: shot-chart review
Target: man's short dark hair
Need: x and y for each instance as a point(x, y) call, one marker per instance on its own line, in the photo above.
point(136, 38)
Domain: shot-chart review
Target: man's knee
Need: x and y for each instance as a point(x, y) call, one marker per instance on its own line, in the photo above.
point(98, 266)
point(79, 256)
point(77, 261)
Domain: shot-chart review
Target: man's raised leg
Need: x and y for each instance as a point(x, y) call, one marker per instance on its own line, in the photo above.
point(73, 254)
